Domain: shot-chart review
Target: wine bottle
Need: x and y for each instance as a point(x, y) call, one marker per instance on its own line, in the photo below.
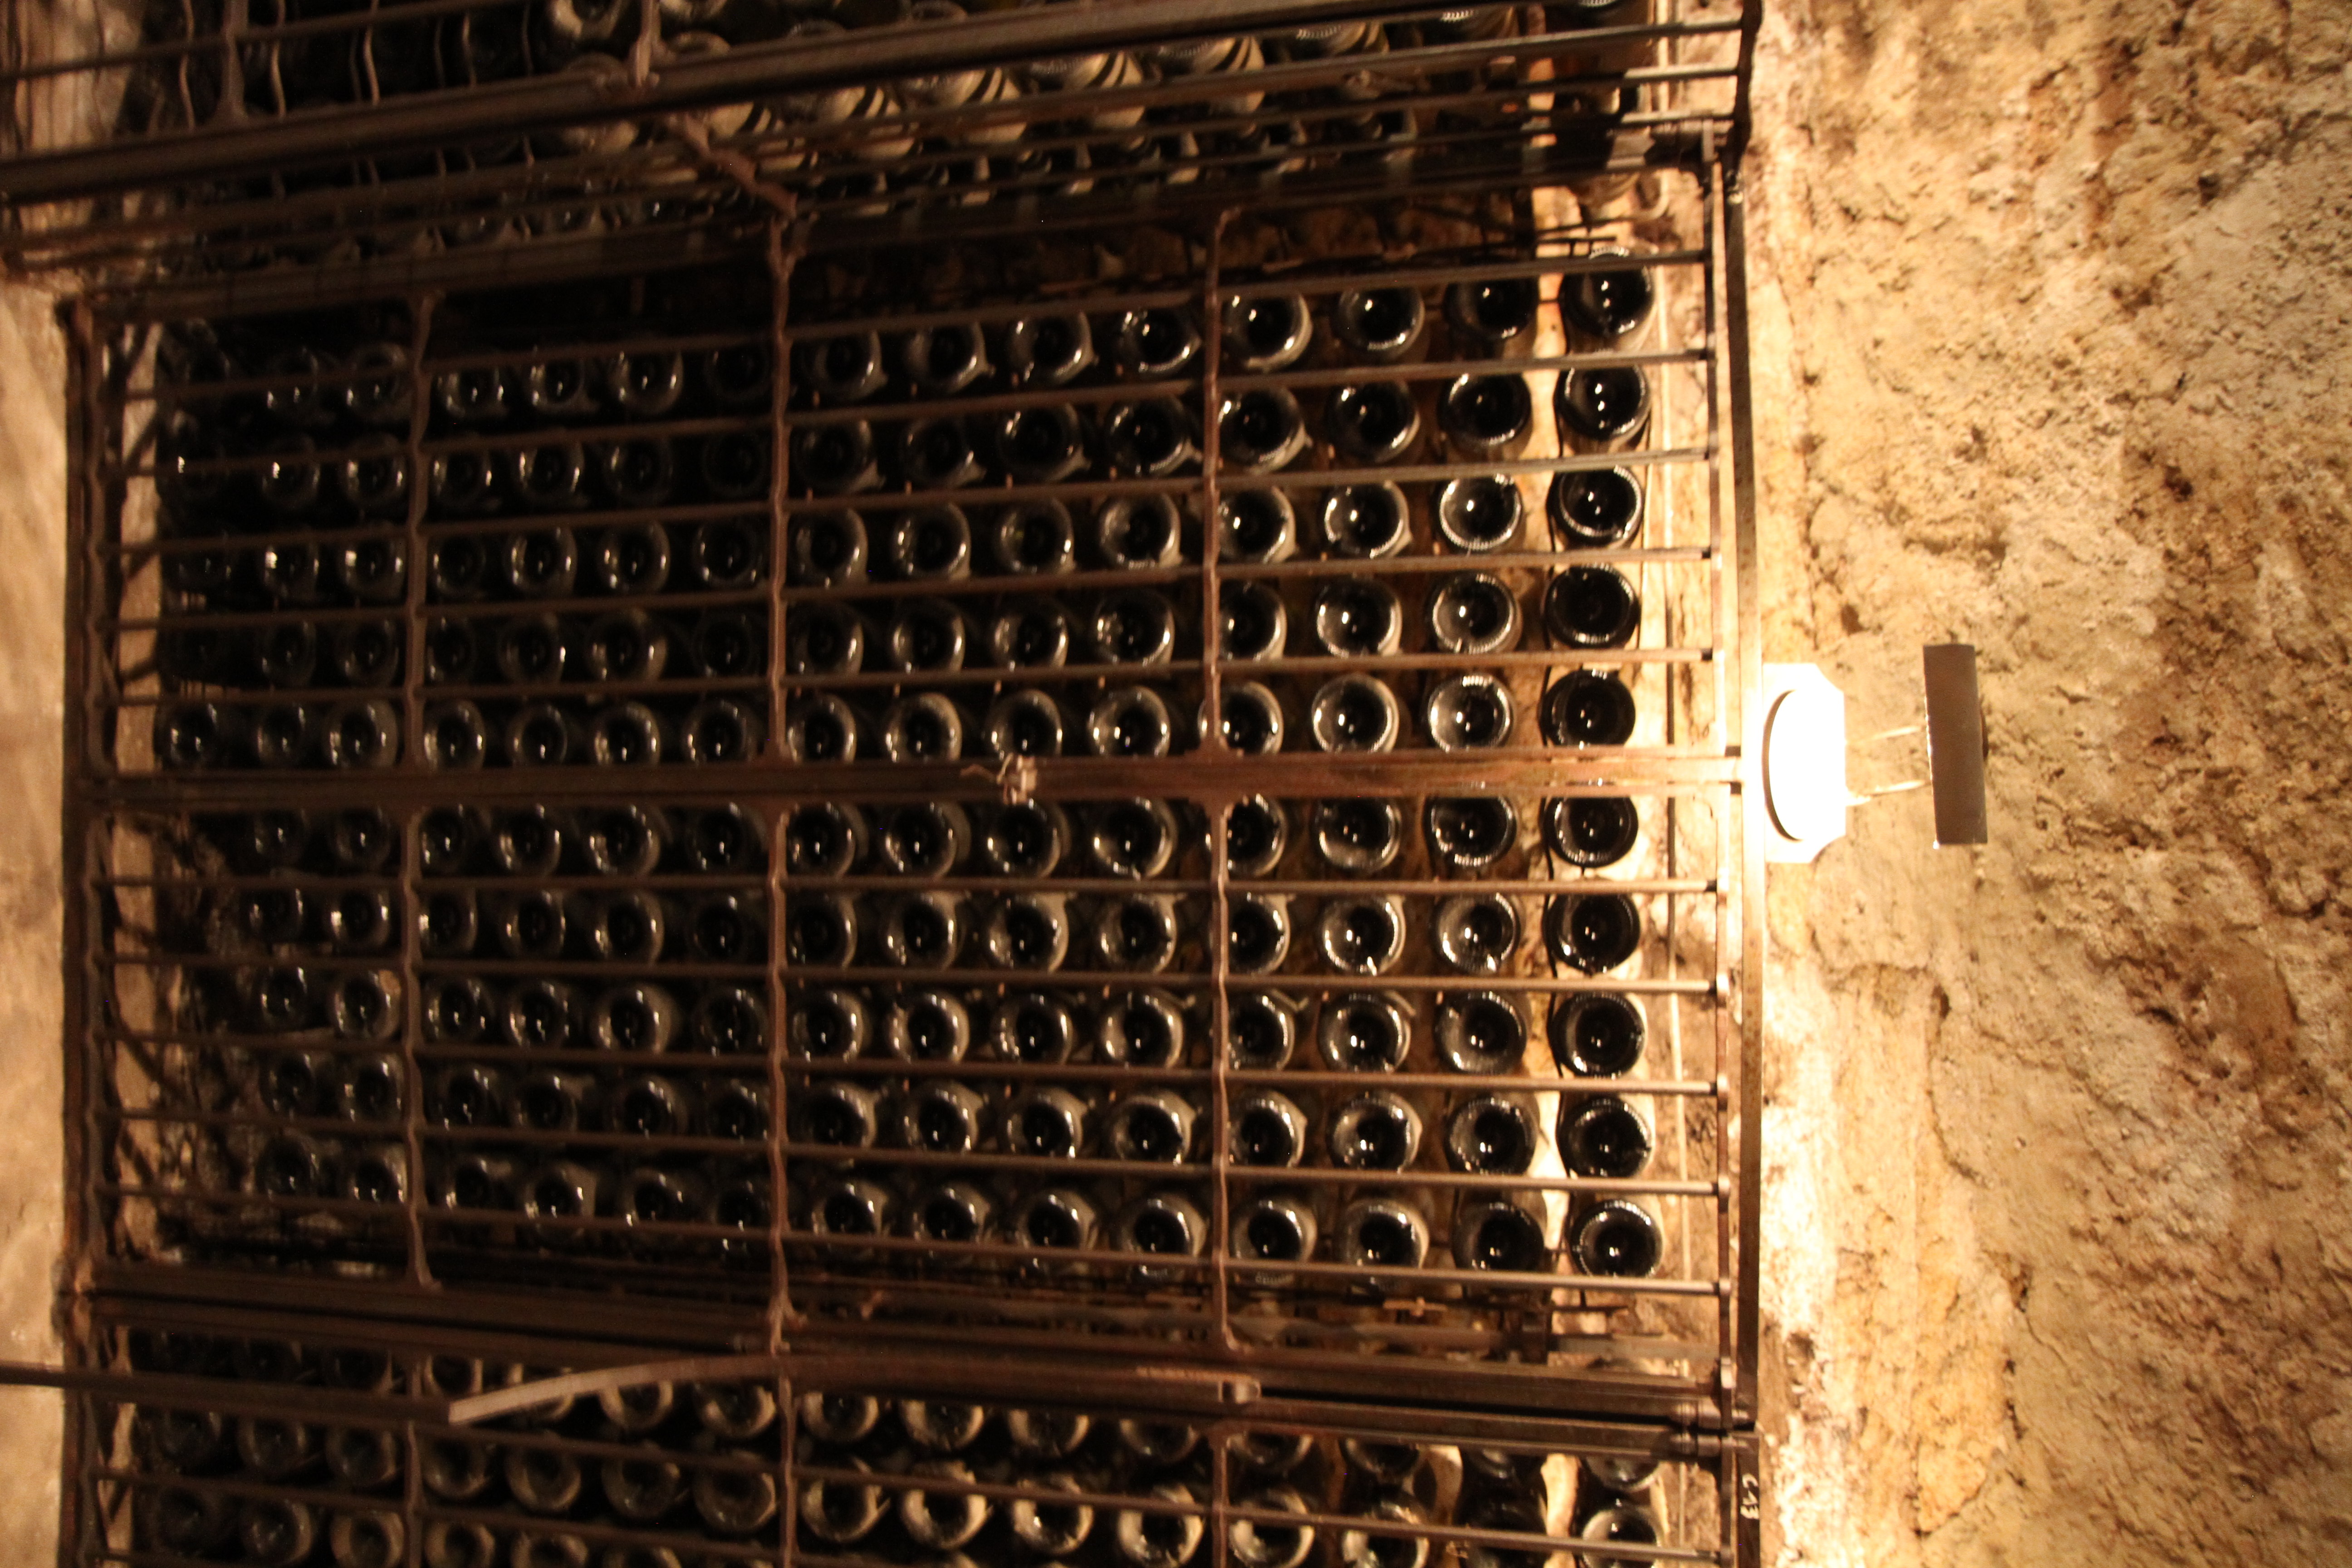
point(844, 369)
point(1141, 1028)
point(1267, 332)
point(632, 560)
point(737, 464)
point(1130, 722)
point(1150, 1126)
point(1469, 833)
point(1591, 606)
point(1468, 712)
point(1610, 303)
point(373, 481)
point(1249, 718)
point(1256, 526)
point(1362, 936)
point(1487, 415)
point(1027, 930)
point(1050, 1528)
point(1384, 325)
point(634, 1016)
point(1025, 841)
point(1252, 623)
point(923, 930)
point(1138, 531)
point(738, 1502)
point(643, 1490)
point(1043, 446)
point(1049, 349)
point(1260, 430)
point(937, 454)
point(637, 473)
point(1376, 1131)
point(1160, 1225)
point(851, 1206)
point(1166, 1537)
point(1597, 1034)
point(1359, 837)
point(1482, 1032)
point(1616, 1240)
point(954, 1214)
point(1257, 932)
point(1365, 1032)
point(1476, 934)
point(1133, 627)
point(459, 569)
point(1594, 931)
point(944, 360)
point(1357, 618)
point(1473, 613)
point(822, 638)
point(836, 1114)
point(1026, 723)
point(828, 549)
point(1372, 422)
point(1055, 1218)
point(1135, 933)
point(728, 1019)
point(277, 1532)
point(1492, 312)
point(1266, 1129)
point(1605, 1137)
point(1493, 1135)
point(276, 1450)
point(927, 839)
point(1151, 438)
point(1258, 1543)
point(370, 1089)
point(459, 1010)
point(841, 1512)
point(1041, 1435)
point(824, 839)
point(1029, 633)
point(733, 1412)
point(1032, 1027)
point(926, 637)
point(1274, 1230)
point(1156, 343)
point(1368, 521)
point(541, 1014)
point(1499, 1236)
point(1608, 405)
point(467, 484)
point(541, 564)
point(543, 1480)
point(1033, 537)
point(365, 1006)
point(839, 1419)
point(380, 392)
point(552, 476)
point(1262, 1031)
point(1257, 831)
point(1591, 831)
point(1354, 712)
point(835, 459)
point(1380, 1233)
point(1588, 707)
point(719, 730)
point(1479, 512)
point(941, 1116)
point(917, 1026)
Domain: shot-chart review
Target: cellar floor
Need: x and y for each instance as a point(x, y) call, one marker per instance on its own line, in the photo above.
point(2051, 304)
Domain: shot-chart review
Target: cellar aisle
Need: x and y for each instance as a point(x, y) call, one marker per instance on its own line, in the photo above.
point(32, 671)
point(2055, 302)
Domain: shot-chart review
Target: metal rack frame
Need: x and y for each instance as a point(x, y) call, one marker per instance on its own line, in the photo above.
point(752, 221)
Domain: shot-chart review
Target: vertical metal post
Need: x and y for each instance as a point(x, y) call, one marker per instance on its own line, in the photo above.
point(412, 852)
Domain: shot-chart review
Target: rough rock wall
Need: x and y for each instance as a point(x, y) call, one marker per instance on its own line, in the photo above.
point(2054, 347)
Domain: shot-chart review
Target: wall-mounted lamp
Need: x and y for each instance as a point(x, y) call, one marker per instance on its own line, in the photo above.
point(1805, 794)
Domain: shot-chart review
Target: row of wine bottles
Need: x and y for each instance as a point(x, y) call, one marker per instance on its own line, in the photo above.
point(1489, 1133)
point(1480, 417)
point(1343, 616)
point(631, 560)
point(610, 839)
point(362, 733)
point(1471, 934)
point(1589, 1033)
point(1354, 712)
point(1144, 838)
point(1587, 507)
point(1367, 1237)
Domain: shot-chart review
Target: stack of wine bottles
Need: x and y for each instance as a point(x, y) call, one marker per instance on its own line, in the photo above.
point(288, 1464)
point(594, 544)
point(1406, 98)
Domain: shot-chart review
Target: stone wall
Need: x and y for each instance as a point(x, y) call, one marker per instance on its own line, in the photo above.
point(2052, 342)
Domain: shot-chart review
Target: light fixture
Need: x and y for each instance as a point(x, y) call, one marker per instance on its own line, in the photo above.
point(1805, 794)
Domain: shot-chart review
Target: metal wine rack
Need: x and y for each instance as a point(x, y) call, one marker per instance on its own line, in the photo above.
point(857, 698)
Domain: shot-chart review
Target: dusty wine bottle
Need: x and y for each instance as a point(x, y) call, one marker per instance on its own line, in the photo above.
point(1468, 712)
point(1591, 831)
point(1589, 708)
point(1593, 933)
point(1591, 606)
point(1597, 1034)
point(1365, 1032)
point(1384, 325)
point(1604, 1137)
point(1608, 404)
